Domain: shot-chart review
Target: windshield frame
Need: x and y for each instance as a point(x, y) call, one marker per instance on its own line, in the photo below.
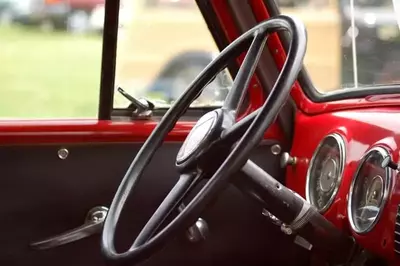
point(309, 88)
point(108, 59)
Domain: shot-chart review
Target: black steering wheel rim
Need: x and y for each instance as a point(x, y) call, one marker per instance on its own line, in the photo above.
point(256, 124)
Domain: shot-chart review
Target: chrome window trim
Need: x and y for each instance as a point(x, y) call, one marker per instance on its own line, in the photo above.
point(388, 180)
point(342, 153)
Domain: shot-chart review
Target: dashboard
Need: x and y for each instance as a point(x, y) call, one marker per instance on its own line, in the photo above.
point(346, 167)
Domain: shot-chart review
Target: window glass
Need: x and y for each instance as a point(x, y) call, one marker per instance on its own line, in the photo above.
point(162, 46)
point(340, 56)
point(50, 59)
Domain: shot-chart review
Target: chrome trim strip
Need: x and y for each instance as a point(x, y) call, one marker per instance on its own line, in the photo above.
point(342, 153)
point(388, 181)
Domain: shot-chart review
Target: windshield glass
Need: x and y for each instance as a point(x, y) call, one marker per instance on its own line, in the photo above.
point(162, 46)
point(351, 43)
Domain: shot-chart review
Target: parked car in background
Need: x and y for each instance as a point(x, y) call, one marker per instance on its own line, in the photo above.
point(97, 15)
point(7, 11)
point(71, 15)
point(18, 11)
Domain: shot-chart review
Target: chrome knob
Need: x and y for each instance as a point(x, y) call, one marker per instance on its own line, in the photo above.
point(198, 232)
point(286, 160)
point(388, 162)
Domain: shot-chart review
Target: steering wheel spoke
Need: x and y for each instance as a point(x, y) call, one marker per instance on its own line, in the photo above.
point(246, 71)
point(171, 202)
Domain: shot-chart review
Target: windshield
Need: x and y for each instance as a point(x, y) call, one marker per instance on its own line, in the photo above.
point(351, 43)
point(162, 47)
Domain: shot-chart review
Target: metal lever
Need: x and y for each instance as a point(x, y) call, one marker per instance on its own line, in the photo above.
point(143, 107)
point(93, 224)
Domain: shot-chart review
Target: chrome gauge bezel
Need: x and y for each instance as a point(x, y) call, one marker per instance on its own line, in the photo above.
point(342, 158)
point(387, 183)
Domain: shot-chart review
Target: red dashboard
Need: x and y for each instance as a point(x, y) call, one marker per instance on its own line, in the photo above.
point(361, 131)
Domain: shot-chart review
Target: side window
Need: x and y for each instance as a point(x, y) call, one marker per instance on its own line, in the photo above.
point(50, 59)
point(162, 46)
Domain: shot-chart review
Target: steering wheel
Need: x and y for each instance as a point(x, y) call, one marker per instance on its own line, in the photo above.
point(216, 135)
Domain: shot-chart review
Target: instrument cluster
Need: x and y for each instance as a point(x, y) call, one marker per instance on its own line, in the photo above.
point(351, 178)
point(369, 190)
point(347, 167)
point(370, 183)
point(325, 172)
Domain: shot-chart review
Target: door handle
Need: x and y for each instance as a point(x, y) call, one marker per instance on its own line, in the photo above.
point(93, 225)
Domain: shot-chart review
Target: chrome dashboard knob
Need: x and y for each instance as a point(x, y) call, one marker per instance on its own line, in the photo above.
point(388, 162)
point(286, 160)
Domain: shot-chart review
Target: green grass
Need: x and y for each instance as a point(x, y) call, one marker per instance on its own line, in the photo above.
point(48, 75)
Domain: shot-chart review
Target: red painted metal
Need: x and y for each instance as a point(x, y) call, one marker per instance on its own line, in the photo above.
point(83, 131)
point(276, 48)
point(362, 129)
point(90, 131)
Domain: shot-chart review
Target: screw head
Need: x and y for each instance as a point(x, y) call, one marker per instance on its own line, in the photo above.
point(276, 149)
point(63, 153)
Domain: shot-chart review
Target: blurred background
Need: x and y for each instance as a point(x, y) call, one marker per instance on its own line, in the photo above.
point(50, 51)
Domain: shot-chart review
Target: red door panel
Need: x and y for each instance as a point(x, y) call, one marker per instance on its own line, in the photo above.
point(78, 131)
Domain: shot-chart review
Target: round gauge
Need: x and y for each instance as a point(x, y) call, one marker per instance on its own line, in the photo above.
point(325, 172)
point(369, 190)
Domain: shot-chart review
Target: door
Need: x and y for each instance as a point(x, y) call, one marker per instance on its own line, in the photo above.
point(64, 149)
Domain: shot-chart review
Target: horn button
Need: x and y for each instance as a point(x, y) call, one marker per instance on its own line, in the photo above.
point(200, 136)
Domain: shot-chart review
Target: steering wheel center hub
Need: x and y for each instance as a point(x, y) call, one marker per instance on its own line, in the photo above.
point(201, 134)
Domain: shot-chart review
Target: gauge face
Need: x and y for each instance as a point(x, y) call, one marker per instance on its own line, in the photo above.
point(325, 172)
point(369, 191)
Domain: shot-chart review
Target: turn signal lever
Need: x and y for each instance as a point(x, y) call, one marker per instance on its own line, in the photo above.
point(297, 216)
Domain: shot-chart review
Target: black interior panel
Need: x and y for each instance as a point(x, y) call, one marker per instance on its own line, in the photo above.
point(42, 195)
